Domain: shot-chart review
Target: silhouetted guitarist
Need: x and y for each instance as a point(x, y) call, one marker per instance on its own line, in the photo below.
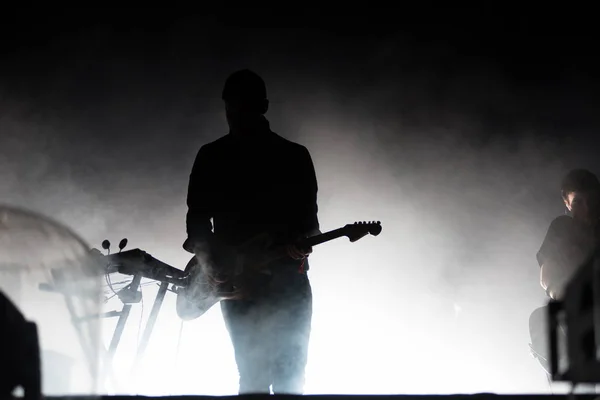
point(248, 182)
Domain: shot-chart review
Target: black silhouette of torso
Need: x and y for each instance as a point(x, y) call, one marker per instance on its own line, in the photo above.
point(252, 184)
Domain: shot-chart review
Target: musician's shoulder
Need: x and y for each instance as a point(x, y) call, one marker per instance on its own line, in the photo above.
point(216, 145)
point(563, 221)
point(220, 141)
point(289, 144)
point(560, 225)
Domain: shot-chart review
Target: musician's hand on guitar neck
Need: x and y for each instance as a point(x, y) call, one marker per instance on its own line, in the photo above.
point(297, 253)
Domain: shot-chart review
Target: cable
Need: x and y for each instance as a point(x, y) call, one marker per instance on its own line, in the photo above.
point(141, 317)
point(177, 353)
point(178, 344)
point(108, 298)
point(121, 282)
point(109, 283)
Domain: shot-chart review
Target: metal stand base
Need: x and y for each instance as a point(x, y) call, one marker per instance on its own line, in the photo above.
point(123, 317)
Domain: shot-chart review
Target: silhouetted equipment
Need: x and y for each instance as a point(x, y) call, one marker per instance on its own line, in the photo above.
point(138, 264)
point(20, 353)
point(578, 315)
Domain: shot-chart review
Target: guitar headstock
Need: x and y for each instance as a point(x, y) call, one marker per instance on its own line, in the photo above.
point(358, 230)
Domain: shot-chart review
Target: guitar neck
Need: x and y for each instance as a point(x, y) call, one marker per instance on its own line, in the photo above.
point(280, 252)
point(352, 232)
point(322, 238)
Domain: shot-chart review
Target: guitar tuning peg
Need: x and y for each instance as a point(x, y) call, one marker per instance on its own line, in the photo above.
point(378, 222)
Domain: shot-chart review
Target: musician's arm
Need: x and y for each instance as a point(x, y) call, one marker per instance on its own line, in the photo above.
point(198, 219)
point(553, 257)
point(305, 208)
point(552, 280)
point(309, 224)
point(543, 278)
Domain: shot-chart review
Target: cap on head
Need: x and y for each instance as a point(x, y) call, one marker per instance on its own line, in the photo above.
point(579, 180)
point(245, 86)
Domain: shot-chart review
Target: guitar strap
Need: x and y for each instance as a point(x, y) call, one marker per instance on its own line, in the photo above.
point(301, 268)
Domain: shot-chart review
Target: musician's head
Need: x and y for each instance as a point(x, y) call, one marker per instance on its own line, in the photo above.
point(245, 96)
point(580, 191)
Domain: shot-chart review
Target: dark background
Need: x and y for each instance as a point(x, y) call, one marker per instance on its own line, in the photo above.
point(451, 125)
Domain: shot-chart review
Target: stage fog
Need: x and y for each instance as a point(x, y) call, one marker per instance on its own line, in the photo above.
point(457, 168)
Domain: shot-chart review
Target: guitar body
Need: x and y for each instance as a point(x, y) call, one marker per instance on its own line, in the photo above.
point(539, 337)
point(199, 295)
point(540, 342)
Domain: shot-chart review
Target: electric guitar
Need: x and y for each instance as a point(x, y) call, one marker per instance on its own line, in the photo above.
point(245, 263)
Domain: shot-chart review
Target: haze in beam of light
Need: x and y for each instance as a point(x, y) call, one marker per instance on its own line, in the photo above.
point(458, 233)
point(385, 319)
point(462, 220)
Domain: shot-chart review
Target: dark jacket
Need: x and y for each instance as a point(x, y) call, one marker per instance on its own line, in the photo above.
point(253, 184)
point(566, 242)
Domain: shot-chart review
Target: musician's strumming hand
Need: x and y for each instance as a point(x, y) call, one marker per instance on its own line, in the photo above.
point(227, 288)
point(216, 278)
point(298, 253)
point(238, 293)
